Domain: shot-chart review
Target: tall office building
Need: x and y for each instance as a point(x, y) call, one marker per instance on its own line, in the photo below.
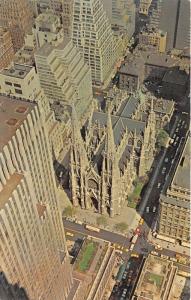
point(123, 15)
point(174, 209)
point(17, 17)
point(173, 17)
point(6, 48)
point(93, 35)
point(33, 251)
point(64, 75)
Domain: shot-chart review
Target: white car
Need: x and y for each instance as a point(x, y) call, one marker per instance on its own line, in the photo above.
point(147, 209)
point(154, 209)
point(163, 170)
point(158, 185)
point(166, 159)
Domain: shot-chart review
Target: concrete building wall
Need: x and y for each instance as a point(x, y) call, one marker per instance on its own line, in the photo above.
point(33, 249)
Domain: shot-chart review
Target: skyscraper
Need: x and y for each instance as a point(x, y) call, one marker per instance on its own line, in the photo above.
point(33, 252)
point(93, 35)
point(17, 17)
point(64, 75)
point(173, 17)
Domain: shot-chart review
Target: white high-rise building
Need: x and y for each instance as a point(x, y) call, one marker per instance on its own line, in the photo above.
point(33, 251)
point(22, 81)
point(93, 35)
point(64, 76)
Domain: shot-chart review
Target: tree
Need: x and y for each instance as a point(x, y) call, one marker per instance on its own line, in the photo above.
point(121, 226)
point(101, 220)
point(69, 211)
point(162, 138)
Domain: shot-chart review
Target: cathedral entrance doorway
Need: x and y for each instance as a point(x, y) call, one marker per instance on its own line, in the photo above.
point(94, 204)
point(93, 195)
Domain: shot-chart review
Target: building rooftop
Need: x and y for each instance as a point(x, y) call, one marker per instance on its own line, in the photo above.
point(176, 76)
point(47, 48)
point(133, 65)
point(12, 114)
point(155, 278)
point(182, 175)
point(47, 17)
point(17, 71)
point(163, 106)
point(159, 59)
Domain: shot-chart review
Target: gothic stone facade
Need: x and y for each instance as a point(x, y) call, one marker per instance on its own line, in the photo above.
point(117, 147)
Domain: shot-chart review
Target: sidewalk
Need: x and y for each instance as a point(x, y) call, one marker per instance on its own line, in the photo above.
point(128, 216)
point(156, 172)
point(170, 246)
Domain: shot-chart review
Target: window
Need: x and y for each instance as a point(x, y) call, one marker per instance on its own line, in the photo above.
point(18, 91)
point(17, 85)
point(8, 83)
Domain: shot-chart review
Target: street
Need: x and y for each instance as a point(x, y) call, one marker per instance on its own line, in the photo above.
point(160, 178)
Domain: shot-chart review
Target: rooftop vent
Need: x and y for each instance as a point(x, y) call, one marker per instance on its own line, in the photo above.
point(21, 109)
point(12, 122)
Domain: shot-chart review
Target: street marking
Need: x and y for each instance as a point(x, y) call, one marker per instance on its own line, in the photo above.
point(76, 231)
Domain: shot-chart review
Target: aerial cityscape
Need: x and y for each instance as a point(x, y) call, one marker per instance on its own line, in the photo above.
point(95, 149)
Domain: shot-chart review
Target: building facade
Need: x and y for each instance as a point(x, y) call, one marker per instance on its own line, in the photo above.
point(22, 81)
point(123, 16)
point(63, 9)
point(16, 16)
point(6, 48)
point(174, 209)
point(155, 38)
point(144, 6)
point(92, 34)
point(33, 250)
point(64, 76)
point(118, 147)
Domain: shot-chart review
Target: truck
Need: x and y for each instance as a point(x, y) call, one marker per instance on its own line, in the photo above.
point(134, 239)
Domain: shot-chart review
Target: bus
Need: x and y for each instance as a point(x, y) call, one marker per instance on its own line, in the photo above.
point(92, 228)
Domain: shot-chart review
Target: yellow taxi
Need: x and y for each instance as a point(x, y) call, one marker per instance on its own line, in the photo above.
point(69, 234)
point(141, 221)
point(134, 255)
